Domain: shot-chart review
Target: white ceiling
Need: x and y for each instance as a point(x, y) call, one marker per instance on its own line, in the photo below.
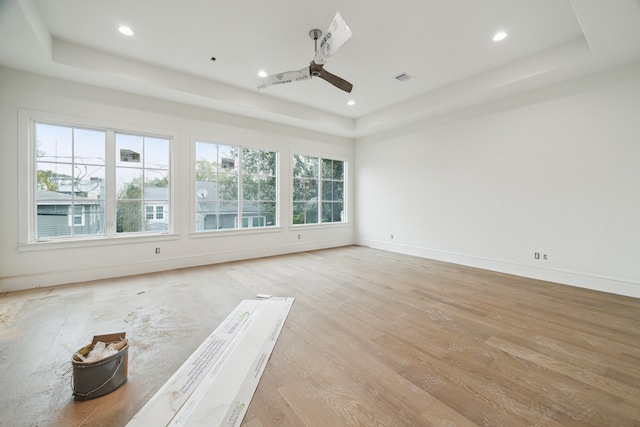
point(445, 44)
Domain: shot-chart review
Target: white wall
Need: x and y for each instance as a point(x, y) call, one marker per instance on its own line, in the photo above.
point(24, 266)
point(555, 171)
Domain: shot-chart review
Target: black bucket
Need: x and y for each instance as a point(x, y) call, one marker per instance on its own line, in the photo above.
point(95, 379)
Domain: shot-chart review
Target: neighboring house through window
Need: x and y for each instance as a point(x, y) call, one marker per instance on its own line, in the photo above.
point(142, 183)
point(70, 177)
point(73, 195)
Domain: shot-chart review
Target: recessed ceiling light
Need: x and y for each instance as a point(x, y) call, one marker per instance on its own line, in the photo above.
point(500, 35)
point(351, 102)
point(125, 30)
point(262, 73)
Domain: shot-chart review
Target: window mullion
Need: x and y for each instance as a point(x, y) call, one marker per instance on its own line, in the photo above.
point(72, 213)
point(240, 182)
point(143, 184)
point(217, 175)
point(110, 185)
point(319, 197)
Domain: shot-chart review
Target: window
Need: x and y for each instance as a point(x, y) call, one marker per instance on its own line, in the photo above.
point(96, 182)
point(259, 185)
point(70, 177)
point(154, 213)
point(76, 216)
point(253, 221)
point(318, 190)
point(235, 187)
point(142, 182)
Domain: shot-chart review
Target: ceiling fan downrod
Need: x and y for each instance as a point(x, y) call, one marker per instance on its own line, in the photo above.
point(315, 35)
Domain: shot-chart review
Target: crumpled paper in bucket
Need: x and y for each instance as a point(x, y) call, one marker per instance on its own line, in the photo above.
point(101, 351)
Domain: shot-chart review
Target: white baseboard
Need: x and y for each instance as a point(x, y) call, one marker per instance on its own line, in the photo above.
point(60, 277)
point(611, 285)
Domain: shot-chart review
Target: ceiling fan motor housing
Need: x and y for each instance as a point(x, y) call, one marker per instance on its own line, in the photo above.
point(315, 69)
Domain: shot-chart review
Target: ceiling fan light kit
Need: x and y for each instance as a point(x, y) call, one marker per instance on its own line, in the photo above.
point(337, 34)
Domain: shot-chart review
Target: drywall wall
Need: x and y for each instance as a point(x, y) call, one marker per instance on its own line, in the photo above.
point(554, 172)
point(24, 265)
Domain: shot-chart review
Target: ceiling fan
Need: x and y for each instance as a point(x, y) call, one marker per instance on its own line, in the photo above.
point(337, 34)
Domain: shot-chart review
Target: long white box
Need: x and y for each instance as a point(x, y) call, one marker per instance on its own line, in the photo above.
point(215, 385)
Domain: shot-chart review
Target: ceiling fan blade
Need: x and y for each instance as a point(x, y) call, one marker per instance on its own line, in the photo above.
point(338, 82)
point(286, 77)
point(337, 34)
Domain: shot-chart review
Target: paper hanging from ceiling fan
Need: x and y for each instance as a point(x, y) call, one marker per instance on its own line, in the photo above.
point(337, 34)
point(286, 77)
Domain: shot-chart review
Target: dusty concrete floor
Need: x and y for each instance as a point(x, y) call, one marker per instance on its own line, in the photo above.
point(165, 315)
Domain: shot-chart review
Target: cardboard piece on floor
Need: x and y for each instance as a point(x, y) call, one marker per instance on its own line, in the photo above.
point(216, 383)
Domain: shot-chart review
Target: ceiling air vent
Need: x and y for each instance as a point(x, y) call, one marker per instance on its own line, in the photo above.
point(403, 77)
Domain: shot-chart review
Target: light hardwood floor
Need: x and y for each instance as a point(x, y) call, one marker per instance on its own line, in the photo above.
point(373, 339)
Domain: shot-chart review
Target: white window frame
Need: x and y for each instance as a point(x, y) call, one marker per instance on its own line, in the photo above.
point(346, 181)
point(27, 238)
point(236, 229)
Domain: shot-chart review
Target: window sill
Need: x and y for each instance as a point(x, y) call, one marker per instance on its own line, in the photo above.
point(234, 232)
point(320, 225)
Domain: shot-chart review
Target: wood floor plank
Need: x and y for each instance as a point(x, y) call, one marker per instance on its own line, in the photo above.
point(557, 397)
point(622, 390)
point(373, 338)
